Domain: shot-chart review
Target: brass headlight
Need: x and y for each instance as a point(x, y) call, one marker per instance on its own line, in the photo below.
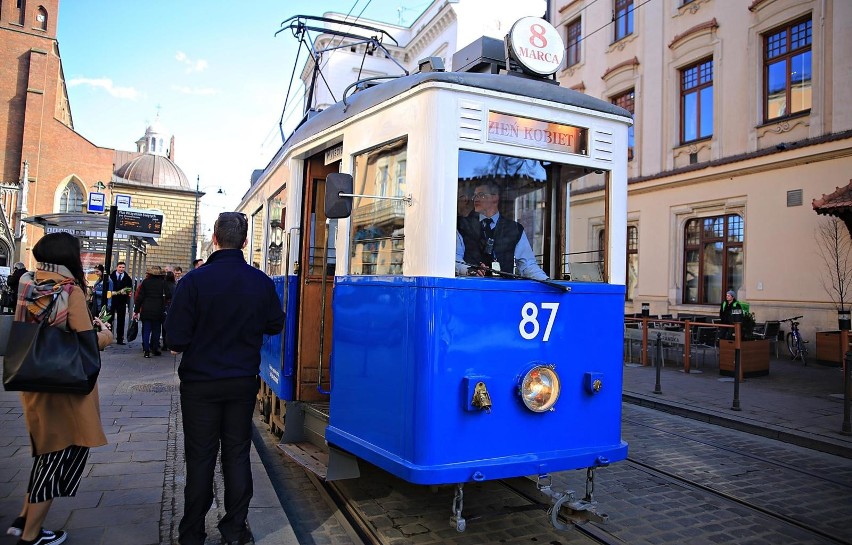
point(540, 388)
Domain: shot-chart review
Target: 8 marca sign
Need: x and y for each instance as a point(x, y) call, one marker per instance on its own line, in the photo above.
point(536, 45)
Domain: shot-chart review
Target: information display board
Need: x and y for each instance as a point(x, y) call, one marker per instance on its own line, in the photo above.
point(135, 222)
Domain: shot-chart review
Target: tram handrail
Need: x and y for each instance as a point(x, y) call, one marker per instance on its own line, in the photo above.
point(550, 283)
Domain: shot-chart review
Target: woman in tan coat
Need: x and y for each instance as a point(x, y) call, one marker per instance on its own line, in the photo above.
point(62, 427)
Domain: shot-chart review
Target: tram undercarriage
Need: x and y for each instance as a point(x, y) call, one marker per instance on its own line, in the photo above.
point(303, 441)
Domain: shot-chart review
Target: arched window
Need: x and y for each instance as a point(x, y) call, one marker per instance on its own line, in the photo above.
point(41, 18)
point(72, 198)
point(713, 258)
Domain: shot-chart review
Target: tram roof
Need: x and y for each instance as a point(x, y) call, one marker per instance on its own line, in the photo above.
point(516, 85)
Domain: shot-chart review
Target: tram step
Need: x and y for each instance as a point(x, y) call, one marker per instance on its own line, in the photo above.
point(331, 465)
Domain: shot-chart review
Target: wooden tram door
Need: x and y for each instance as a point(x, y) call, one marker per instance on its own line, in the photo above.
point(310, 284)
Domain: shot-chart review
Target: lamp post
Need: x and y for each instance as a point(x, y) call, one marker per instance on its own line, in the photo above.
point(195, 222)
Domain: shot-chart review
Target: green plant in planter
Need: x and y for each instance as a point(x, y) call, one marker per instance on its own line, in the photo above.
point(747, 326)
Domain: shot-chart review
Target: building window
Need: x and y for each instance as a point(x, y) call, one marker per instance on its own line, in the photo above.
point(71, 199)
point(21, 7)
point(628, 102)
point(623, 19)
point(696, 101)
point(632, 262)
point(41, 18)
point(713, 258)
point(787, 70)
point(573, 35)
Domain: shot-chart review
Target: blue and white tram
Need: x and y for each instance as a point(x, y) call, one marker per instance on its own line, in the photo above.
point(434, 374)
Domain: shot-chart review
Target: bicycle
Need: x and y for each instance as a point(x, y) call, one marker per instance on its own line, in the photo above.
point(795, 344)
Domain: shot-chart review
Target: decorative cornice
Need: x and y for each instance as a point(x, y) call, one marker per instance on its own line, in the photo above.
point(564, 8)
point(579, 87)
point(756, 4)
point(428, 33)
point(121, 183)
point(711, 25)
point(770, 165)
point(630, 63)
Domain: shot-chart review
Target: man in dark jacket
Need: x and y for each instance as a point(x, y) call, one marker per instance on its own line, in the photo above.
point(122, 285)
point(486, 239)
point(152, 299)
point(217, 319)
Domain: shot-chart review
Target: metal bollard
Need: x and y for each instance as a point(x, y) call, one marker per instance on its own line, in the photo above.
point(737, 370)
point(847, 395)
point(657, 388)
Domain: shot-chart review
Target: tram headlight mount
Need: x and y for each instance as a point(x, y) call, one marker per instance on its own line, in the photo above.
point(539, 388)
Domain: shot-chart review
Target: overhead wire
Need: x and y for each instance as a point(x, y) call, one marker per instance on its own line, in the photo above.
point(612, 21)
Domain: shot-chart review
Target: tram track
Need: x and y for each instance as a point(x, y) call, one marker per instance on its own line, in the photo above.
point(355, 525)
point(694, 485)
point(367, 534)
point(590, 530)
point(740, 452)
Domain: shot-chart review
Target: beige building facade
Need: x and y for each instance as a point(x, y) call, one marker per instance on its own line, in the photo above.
point(743, 116)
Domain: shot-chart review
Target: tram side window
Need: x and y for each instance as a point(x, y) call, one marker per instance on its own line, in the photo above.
point(377, 240)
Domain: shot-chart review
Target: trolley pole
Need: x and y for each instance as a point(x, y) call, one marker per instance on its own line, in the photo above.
point(847, 395)
point(737, 368)
point(659, 363)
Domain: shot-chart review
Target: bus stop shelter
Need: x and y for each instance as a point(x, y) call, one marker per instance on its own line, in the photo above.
point(92, 231)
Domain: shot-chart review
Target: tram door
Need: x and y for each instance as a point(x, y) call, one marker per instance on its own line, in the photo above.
point(311, 312)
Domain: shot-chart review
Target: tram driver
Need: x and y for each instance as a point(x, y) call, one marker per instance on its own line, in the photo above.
point(486, 241)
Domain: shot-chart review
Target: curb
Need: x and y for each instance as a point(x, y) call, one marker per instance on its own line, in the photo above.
point(763, 429)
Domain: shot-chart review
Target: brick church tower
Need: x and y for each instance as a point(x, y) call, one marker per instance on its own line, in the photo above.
point(45, 165)
point(47, 168)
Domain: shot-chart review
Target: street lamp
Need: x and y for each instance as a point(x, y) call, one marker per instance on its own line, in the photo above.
point(198, 195)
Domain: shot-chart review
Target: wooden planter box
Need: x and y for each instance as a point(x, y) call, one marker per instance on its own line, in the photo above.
point(828, 349)
point(754, 358)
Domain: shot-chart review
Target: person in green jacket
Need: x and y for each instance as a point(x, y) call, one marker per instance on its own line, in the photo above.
point(728, 305)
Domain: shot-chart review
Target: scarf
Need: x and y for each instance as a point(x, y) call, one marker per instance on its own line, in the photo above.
point(35, 296)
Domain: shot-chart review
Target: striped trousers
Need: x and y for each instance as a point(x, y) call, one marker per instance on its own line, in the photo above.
point(57, 474)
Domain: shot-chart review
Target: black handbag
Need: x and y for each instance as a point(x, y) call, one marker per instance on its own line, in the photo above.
point(43, 358)
point(132, 330)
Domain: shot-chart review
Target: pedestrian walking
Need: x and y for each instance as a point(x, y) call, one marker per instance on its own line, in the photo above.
point(123, 285)
point(217, 319)
point(62, 427)
point(151, 301)
point(171, 281)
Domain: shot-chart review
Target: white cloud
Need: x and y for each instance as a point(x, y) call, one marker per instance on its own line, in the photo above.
point(198, 91)
point(107, 85)
point(191, 65)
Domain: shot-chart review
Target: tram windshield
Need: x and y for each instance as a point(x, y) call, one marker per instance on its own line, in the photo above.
point(529, 218)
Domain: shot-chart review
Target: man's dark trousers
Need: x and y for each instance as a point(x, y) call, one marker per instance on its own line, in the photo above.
point(214, 412)
point(119, 309)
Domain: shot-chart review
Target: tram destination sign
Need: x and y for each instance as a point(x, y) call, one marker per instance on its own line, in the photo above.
point(535, 45)
point(523, 131)
point(135, 222)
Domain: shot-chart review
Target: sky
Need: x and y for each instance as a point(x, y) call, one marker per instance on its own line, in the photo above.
point(211, 69)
